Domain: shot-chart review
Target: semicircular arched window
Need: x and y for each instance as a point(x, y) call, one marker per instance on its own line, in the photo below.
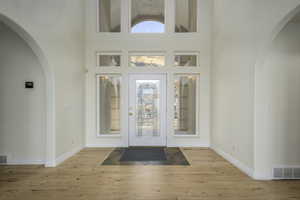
point(148, 27)
point(147, 16)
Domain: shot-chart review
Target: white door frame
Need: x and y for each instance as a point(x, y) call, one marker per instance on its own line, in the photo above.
point(199, 140)
point(161, 140)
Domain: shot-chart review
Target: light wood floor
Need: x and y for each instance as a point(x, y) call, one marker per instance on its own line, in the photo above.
point(210, 177)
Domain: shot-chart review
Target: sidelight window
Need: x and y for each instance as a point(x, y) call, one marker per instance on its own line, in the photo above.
point(109, 107)
point(186, 104)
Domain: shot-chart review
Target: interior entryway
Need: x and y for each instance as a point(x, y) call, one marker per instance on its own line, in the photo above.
point(147, 110)
point(22, 102)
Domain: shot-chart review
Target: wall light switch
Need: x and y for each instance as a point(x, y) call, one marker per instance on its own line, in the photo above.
point(29, 84)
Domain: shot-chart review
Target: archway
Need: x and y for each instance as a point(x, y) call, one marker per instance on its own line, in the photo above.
point(277, 107)
point(49, 158)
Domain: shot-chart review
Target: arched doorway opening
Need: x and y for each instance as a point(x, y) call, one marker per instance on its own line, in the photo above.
point(277, 100)
point(27, 116)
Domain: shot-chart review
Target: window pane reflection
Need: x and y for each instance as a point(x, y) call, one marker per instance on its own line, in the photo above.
point(109, 15)
point(147, 100)
point(186, 60)
point(148, 27)
point(109, 60)
point(185, 104)
point(186, 16)
point(145, 11)
point(147, 61)
point(109, 101)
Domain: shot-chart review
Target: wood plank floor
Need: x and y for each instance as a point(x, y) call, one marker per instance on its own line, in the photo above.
point(82, 177)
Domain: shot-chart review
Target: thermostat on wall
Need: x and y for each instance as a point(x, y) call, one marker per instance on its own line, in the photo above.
point(29, 84)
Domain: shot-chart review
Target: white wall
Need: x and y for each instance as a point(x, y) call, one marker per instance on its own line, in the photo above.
point(232, 94)
point(22, 111)
point(57, 27)
point(241, 31)
point(278, 96)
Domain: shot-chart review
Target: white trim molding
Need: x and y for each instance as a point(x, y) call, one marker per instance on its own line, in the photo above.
point(24, 162)
point(261, 176)
point(243, 167)
point(201, 145)
point(267, 175)
point(104, 146)
point(60, 159)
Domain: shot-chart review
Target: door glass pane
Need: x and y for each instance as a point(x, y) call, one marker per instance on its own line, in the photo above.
point(109, 104)
point(109, 60)
point(147, 107)
point(144, 14)
point(186, 60)
point(109, 15)
point(185, 104)
point(186, 16)
point(147, 61)
point(148, 27)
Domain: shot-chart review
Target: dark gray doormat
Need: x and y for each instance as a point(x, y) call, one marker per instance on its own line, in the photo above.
point(146, 156)
point(143, 154)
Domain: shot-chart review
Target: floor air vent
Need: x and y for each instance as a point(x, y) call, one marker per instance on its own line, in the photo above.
point(3, 159)
point(286, 173)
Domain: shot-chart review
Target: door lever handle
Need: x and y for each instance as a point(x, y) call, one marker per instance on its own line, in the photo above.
point(130, 113)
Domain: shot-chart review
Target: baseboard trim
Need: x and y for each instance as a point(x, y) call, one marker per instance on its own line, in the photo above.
point(25, 162)
point(50, 163)
point(244, 168)
point(103, 146)
point(261, 177)
point(115, 146)
point(190, 146)
point(267, 175)
point(60, 159)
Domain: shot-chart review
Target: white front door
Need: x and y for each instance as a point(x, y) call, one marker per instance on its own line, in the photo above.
point(147, 110)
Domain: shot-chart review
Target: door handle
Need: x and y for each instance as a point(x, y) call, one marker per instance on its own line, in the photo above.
point(130, 113)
